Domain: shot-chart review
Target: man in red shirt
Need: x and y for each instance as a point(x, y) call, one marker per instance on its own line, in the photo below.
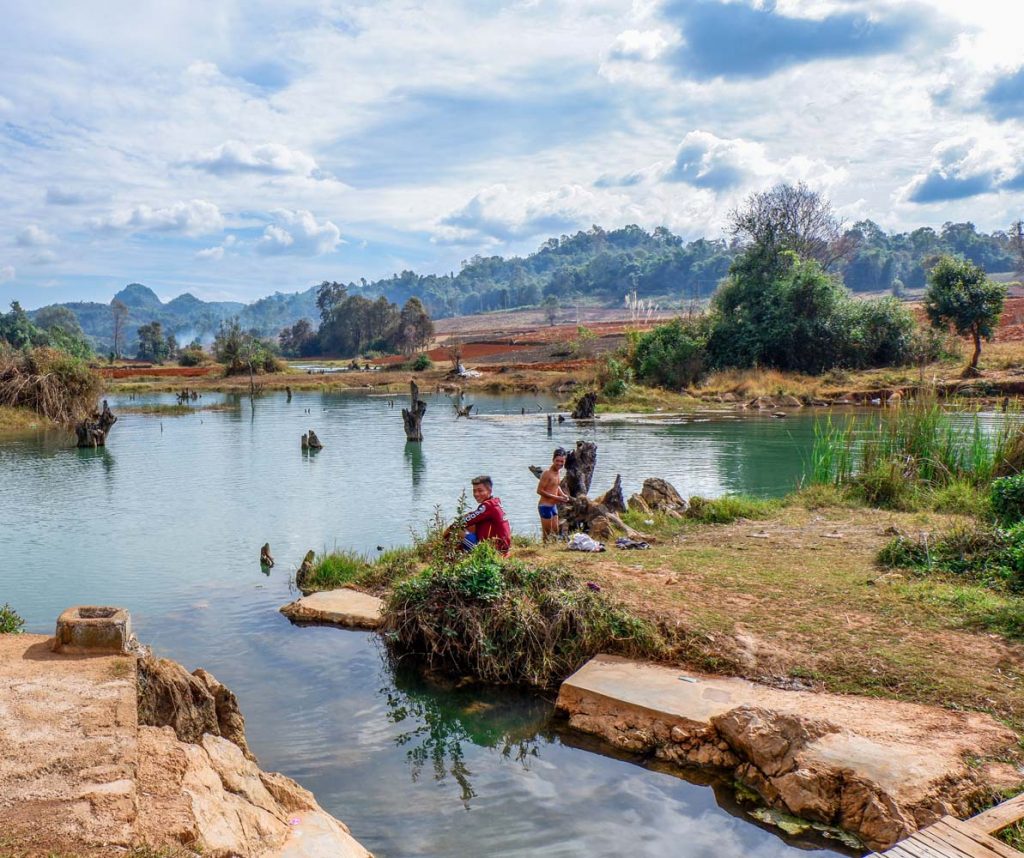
point(488, 521)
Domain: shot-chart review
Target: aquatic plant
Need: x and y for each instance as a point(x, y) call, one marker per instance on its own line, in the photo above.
point(502, 621)
point(51, 382)
point(919, 445)
point(11, 622)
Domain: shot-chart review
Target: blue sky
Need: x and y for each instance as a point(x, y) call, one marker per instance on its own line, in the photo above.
point(236, 149)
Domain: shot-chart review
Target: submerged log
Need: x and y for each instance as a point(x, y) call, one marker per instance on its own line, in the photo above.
point(93, 432)
point(412, 417)
point(585, 406)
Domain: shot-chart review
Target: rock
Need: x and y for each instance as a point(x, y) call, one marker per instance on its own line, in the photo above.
point(342, 607)
point(729, 397)
point(230, 721)
point(169, 696)
point(600, 528)
point(211, 797)
point(763, 403)
point(769, 739)
point(636, 503)
point(662, 496)
point(788, 401)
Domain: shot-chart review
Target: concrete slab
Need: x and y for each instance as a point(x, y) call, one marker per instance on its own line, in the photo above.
point(342, 607)
point(316, 835)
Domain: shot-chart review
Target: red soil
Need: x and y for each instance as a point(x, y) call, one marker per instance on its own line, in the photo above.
point(164, 371)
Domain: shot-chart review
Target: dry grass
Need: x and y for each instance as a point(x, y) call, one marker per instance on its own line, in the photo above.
point(50, 382)
point(13, 420)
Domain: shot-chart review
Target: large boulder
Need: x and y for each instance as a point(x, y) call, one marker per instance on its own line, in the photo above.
point(661, 496)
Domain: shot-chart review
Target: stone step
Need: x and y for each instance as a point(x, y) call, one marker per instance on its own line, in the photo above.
point(342, 607)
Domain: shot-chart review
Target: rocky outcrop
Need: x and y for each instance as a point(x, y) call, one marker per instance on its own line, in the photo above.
point(878, 769)
point(192, 704)
point(661, 495)
point(209, 795)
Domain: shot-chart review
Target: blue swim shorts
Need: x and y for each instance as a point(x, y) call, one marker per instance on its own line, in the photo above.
point(469, 540)
point(547, 510)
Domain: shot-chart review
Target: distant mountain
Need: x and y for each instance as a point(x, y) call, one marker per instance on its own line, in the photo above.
point(187, 316)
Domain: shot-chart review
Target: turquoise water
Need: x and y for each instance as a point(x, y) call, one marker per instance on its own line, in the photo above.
point(168, 522)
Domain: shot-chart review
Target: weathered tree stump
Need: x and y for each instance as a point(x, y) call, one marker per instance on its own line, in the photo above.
point(304, 571)
point(585, 406)
point(579, 468)
point(288, 390)
point(93, 432)
point(412, 417)
point(613, 498)
point(311, 442)
point(266, 558)
point(462, 412)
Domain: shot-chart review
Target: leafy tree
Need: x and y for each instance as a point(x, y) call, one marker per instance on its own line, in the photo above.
point(171, 343)
point(17, 329)
point(791, 315)
point(415, 330)
point(961, 296)
point(59, 316)
point(242, 351)
point(152, 343)
point(299, 340)
point(671, 355)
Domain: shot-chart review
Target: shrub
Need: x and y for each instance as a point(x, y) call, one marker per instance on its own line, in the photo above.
point(53, 383)
point(391, 566)
point(729, 508)
point(503, 622)
point(614, 378)
point(1007, 498)
point(671, 355)
point(10, 622)
point(884, 485)
point(421, 363)
point(193, 356)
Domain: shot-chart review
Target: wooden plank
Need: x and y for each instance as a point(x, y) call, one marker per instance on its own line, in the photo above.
point(991, 843)
point(973, 846)
point(936, 847)
point(949, 843)
point(923, 848)
point(999, 817)
point(900, 851)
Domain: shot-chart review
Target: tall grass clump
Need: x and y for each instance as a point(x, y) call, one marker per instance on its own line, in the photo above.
point(335, 569)
point(729, 508)
point(501, 621)
point(913, 448)
point(50, 382)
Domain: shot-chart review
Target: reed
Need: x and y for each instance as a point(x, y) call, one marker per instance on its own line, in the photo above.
point(52, 383)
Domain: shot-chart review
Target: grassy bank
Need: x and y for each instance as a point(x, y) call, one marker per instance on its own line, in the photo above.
point(15, 420)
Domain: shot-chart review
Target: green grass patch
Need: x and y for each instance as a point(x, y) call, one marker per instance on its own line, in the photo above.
point(1013, 836)
point(390, 567)
point(969, 606)
point(336, 569)
point(729, 508)
point(504, 622)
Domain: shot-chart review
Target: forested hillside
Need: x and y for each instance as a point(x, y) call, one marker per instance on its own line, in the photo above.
point(598, 266)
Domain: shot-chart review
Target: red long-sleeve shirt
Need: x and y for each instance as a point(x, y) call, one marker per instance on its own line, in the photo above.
point(488, 521)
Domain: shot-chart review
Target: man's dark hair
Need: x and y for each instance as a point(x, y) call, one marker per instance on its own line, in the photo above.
point(558, 452)
point(482, 480)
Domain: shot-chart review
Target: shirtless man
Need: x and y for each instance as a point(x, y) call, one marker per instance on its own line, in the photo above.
point(551, 495)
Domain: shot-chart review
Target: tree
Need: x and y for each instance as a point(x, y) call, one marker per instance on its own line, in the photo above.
point(119, 311)
point(328, 296)
point(17, 329)
point(961, 296)
point(550, 305)
point(59, 316)
point(299, 340)
point(415, 330)
point(1017, 245)
point(794, 218)
point(171, 343)
point(152, 343)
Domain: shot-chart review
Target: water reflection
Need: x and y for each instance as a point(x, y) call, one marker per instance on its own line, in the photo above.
point(438, 717)
point(416, 459)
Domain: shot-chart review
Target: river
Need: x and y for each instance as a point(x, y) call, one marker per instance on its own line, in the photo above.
point(168, 522)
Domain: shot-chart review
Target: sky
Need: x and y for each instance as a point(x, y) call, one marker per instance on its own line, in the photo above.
point(234, 149)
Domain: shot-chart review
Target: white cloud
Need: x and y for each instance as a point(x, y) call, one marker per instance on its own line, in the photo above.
point(299, 233)
point(965, 167)
point(212, 253)
point(644, 45)
point(195, 217)
point(35, 236)
point(6, 273)
point(235, 156)
point(43, 257)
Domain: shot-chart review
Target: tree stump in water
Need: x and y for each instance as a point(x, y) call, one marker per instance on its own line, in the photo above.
point(413, 417)
point(304, 571)
point(93, 432)
point(314, 442)
point(585, 406)
point(266, 558)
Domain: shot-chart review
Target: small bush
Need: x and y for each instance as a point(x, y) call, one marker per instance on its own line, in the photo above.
point(504, 622)
point(10, 622)
point(336, 569)
point(671, 355)
point(52, 383)
point(421, 363)
point(961, 498)
point(729, 508)
point(615, 378)
point(1007, 498)
point(193, 356)
point(884, 485)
